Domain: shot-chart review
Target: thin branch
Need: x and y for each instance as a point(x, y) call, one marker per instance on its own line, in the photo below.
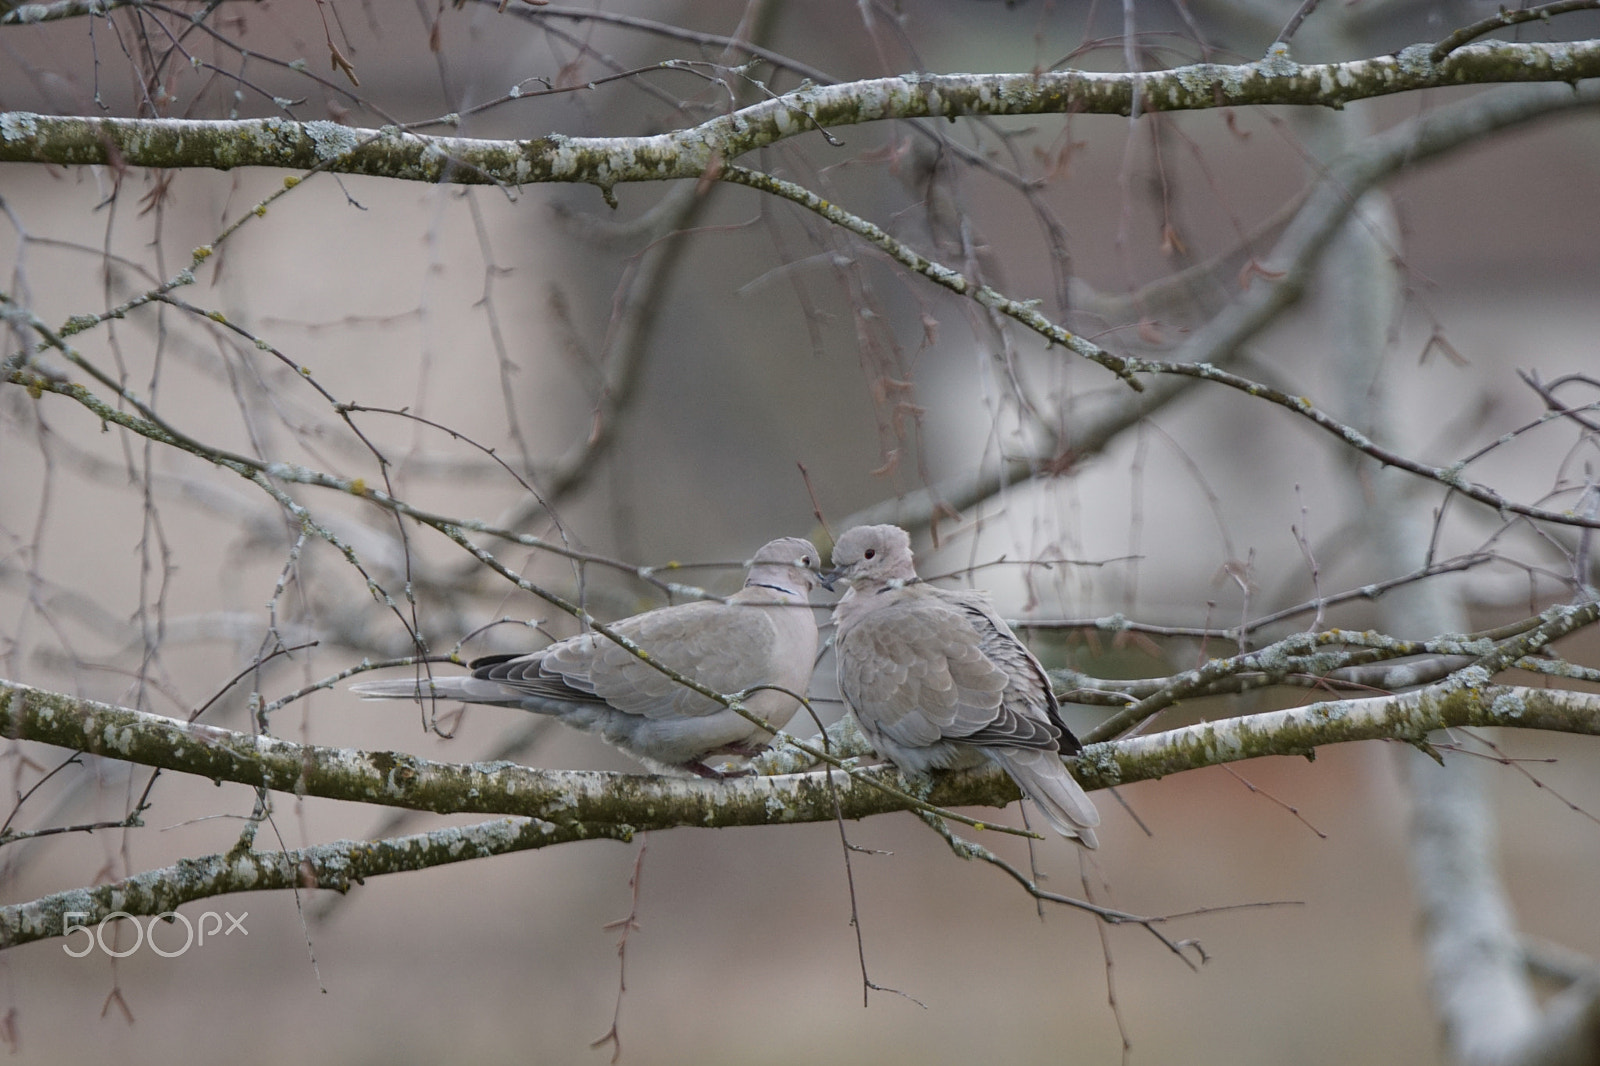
point(1503, 19)
point(1293, 263)
point(1023, 311)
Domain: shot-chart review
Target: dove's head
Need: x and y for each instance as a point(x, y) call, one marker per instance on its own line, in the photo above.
point(872, 556)
point(789, 564)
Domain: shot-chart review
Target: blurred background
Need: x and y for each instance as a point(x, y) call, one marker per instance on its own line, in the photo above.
point(700, 369)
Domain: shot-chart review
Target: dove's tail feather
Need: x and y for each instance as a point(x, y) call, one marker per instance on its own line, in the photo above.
point(466, 689)
point(1044, 779)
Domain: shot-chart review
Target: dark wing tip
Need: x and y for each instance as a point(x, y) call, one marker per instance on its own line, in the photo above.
point(483, 662)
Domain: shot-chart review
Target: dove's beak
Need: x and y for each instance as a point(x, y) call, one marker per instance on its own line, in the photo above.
point(831, 577)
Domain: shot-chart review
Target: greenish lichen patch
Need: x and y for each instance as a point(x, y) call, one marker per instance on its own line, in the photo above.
point(18, 125)
point(1099, 763)
point(1508, 704)
point(1277, 62)
point(1469, 677)
point(1417, 60)
point(1199, 78)
point(331, 140)
point(269, 134)
point(1332, 711)
point(246, 872)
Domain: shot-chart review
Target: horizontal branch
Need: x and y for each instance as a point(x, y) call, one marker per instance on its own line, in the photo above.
point(335, 866)
point(604, 804)
point(1301, 730)
point(566, 805)
point(394, 152)
point(396, 779)
point(644, 801)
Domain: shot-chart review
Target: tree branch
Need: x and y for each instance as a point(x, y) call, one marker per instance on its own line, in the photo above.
point(1290, 268)
point(336, 865)
point(571, 805)
point(689, 153)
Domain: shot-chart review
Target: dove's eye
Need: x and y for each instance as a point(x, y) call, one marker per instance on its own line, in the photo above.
point(869, 553)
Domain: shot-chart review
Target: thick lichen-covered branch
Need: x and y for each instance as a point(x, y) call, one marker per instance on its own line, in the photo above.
point(563, 805)
point(581, 806)
point(643, 801)
point(555, 806)
point(689, 153)
point(397, 779)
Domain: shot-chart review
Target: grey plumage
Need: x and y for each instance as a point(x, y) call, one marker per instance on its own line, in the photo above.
point(937, 680)
point(764, 634)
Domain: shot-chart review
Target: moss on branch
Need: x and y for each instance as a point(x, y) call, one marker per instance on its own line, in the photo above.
point(689, 153)
point(645, 801)
point(560, 806)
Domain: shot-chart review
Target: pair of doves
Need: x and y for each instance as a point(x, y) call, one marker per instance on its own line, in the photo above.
point(935, 677)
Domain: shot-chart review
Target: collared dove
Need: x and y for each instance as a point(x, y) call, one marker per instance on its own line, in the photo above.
point(764, 634)
point(937, 680)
